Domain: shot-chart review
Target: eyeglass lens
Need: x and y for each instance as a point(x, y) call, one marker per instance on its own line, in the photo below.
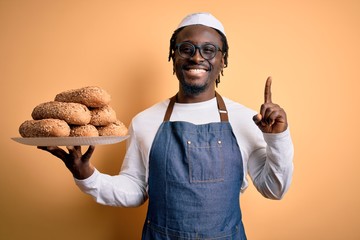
point(187, 50)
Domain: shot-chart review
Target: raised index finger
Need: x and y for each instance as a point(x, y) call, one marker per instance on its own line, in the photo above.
point(267, 92)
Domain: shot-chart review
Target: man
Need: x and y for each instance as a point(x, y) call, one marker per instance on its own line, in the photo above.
point(190, 155)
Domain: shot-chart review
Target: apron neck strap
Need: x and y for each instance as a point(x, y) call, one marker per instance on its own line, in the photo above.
point(220, 103)
point(222, 108)
point(170, 108)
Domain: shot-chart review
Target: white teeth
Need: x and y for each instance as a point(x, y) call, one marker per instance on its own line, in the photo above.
point(197, 70)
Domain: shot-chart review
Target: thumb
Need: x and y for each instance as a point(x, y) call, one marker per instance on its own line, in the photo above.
point(257, 119)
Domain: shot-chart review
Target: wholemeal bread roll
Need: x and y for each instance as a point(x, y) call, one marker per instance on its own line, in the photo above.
point(113, 129)
point(84, 131)
point(44, 128)
point(89, 96)
point(83, 112)
point(72, 113)
point(102, 116)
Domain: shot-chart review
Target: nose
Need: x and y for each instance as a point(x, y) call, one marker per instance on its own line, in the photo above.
point(197, 57)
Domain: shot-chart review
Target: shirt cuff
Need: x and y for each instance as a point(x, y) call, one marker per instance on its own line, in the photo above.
point(271, 137)
point(87, 182)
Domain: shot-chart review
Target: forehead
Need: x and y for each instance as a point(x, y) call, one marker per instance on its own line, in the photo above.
point(199, 34)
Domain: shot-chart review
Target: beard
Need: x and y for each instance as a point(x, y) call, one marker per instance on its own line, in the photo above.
point(189, 86)
point(193, 89)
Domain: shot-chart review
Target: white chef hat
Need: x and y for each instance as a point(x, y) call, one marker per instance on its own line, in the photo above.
point(202, 18)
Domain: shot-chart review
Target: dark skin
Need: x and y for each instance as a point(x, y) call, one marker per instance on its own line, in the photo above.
point(193, 73)
point(78, 163)
point(271, 118)
point(204, 80)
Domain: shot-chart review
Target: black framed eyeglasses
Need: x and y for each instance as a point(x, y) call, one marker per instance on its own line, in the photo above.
point(187, 50)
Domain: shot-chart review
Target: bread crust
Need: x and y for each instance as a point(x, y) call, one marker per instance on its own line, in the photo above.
point(44, 128)
point(72, 113)
point(91, 96)
point(84, 131)
point(113, 129)
point(103, 116)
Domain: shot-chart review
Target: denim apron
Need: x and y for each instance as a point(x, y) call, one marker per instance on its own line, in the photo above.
point(195, 176)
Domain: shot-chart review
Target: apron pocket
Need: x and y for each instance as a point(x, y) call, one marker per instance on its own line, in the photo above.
point(206, 163)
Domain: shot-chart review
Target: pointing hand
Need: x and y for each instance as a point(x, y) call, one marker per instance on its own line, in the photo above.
point(272, 118)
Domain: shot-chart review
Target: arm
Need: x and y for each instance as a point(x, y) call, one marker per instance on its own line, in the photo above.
point(271, 167)
point(128, 189)
point(120, 190)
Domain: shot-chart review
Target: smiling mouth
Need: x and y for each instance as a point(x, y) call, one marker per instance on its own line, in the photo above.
point(196, 70)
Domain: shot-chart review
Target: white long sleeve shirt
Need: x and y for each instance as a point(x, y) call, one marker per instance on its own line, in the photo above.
point(267, 158)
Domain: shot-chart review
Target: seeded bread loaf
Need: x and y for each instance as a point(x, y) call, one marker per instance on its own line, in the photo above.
point(113, 129)
point(89, 96)
point(84, 131)
point(83, 112)
point(102, 116)
point(72, 113)
point(44, 128)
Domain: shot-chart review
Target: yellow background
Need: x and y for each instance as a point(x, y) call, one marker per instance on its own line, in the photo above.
point(310, 48)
